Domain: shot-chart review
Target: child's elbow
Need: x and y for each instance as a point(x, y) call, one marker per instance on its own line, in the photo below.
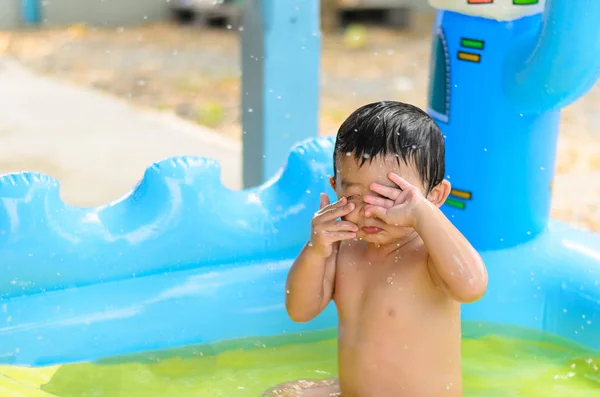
point(299, 316)
point(470, 296)
point(298, 312)
point(472, 291)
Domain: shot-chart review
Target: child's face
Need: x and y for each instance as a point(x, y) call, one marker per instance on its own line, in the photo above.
point(353, 182)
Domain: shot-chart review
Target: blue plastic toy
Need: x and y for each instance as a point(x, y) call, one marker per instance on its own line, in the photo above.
point(182, 258)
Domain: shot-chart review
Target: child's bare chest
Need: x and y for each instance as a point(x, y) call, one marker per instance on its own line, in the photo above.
point(391, 289)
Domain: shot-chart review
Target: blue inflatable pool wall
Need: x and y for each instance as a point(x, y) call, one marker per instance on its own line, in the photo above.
point(183, 260)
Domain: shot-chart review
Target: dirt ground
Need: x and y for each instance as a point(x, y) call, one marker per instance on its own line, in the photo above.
point(195, 73)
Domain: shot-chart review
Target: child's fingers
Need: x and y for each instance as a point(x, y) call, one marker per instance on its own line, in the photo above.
point(336, 212)
point(404, 195)
point(398, 180)
point(336, 226)
point(324, 201)
point(341, 226)
point(341, 202)
point(338, 236)
point(380, 201)
point(386, 191)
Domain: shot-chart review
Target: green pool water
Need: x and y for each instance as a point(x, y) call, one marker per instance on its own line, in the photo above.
point(498, 361)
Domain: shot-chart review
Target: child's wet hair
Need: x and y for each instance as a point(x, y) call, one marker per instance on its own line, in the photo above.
point(394, 128)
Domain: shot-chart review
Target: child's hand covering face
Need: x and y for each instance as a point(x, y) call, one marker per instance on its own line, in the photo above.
point(327, 230)
point(396, 206)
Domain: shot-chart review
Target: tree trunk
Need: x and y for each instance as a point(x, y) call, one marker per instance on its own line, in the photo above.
point(329, 15)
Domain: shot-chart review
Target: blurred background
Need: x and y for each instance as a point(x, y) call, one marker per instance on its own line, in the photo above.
point(93, 91)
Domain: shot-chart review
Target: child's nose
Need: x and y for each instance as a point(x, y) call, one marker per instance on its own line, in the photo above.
point(360, 208)
point(359, 205)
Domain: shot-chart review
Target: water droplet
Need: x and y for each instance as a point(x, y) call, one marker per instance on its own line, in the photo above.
point(250, 110)
point(390, 280)
point(485, 149)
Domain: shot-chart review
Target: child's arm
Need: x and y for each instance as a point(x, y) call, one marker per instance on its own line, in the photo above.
point(311, 280)
point(453, 262)
point(309, 286)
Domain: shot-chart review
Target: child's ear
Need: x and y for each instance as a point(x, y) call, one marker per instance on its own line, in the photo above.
point(438, 195)
point(332, 182)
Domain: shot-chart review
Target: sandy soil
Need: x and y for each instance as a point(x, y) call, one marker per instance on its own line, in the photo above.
point(195, 72)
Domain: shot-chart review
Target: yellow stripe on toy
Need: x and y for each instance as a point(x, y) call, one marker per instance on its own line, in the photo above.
point(469, 57)
point(461, 194)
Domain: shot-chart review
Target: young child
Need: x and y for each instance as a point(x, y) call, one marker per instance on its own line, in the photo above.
point(394, 265)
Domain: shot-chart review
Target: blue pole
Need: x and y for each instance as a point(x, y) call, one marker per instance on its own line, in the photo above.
point(31, 12)
point(281, 46)
point(496, 91)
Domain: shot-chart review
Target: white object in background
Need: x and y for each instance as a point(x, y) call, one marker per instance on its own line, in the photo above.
point(500, 10)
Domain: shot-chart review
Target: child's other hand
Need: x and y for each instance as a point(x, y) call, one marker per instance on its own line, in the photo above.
point(327, 231)
point(396, 206)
